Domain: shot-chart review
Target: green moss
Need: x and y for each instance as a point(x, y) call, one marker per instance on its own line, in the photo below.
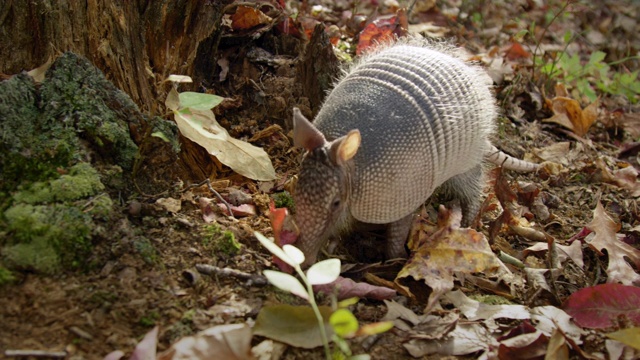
point(92, 105)
point(220, 242)
point(6, 277)
point(46, 237)
point(101, 207)
point(82, 181)
point(146, 250)
point(283, 199)
point(150, 319)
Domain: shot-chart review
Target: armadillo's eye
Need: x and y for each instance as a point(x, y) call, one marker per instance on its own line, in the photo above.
point(335, 204)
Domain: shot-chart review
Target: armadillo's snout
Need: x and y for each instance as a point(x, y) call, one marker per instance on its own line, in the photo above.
point(310, 249)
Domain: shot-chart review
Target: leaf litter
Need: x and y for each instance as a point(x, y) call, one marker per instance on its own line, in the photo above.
point(587, 239)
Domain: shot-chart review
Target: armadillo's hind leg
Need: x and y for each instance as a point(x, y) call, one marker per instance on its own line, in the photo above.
point(467, 187)
point(397, 233)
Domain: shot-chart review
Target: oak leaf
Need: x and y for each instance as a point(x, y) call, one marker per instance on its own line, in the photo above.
point(604, 237)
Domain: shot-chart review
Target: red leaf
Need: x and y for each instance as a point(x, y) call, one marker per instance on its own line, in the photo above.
point(347, 288)
point(516, 51)
point(284, 231)
point(382, 30)
point(604, 306)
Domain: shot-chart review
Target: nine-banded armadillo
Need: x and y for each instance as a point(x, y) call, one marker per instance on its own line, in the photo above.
point(404, 120)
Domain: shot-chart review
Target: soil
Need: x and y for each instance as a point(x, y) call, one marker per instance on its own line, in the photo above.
point(90, 313)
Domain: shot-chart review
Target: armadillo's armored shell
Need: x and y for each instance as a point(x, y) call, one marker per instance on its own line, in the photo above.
point(424, 116)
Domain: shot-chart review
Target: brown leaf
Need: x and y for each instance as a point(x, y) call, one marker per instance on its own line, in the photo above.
point(231, 342)
point(568, 113)
point(447, 250)
point(604, 237)
point(516, 51)
point(246, 18)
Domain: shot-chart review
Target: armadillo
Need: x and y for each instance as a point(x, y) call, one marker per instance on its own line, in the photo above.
point(406, 119)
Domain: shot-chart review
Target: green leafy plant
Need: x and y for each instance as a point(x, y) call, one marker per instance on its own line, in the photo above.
point(584, 77)
point(342, 321)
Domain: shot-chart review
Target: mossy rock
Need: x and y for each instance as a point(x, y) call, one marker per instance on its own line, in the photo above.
point(52, 198)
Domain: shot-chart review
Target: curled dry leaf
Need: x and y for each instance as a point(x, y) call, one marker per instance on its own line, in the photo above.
point(238, 211)
point(568, 113)
point(347, 288)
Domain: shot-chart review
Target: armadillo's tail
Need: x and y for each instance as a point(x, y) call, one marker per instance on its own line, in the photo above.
point(498, 157)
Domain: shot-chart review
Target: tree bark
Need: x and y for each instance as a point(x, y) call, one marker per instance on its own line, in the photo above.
point(135, 42)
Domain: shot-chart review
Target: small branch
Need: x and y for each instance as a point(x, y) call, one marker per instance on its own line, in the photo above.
point(217, 194)
point(36, 354)
point(252, 279)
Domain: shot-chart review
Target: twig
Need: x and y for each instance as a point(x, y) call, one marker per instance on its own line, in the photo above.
point(252, 279)
point(208, 182)
point(36, 353)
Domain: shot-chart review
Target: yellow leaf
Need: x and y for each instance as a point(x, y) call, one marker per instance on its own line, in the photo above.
point(630, 337)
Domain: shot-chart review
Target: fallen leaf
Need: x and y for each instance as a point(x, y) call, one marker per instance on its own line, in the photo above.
point(629, 336)
point(247, 160)
point(170, 204)
point(38, 73)
point(627, 178)
point(557, 348)
point(568, 113)
point(573, 251)
point(238, 211)
point(285, 232)
point(516, 51)
point(604, 306)
point(246, 18)
point(382, 30)
point(474, 310)
point(524, 346)
point(293, 325)
point(146, 348)
point(604, 238)
point(447, 250)
point(206, 207)
point(549, 318)
point(464, 339)
point(232, 342)
point(347, 288)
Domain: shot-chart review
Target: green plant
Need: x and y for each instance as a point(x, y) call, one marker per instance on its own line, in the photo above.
point(220, 241)
point(583, 77)
point(342, 321)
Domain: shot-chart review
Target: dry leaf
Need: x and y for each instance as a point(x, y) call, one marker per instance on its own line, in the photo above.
point(246, 18)
point(232, 342)
point(247, 160)
point(447, 250)
point(568, 113)
point(604, 237)
point(38, 73)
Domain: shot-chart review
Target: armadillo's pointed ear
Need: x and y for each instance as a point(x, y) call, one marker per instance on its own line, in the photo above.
point(345, 148)
point(305, 134)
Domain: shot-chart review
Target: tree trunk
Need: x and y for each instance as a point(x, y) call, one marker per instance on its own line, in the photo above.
point(136, 43)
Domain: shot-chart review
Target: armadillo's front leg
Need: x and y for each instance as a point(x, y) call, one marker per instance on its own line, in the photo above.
point(467, 187)
point(397, 233)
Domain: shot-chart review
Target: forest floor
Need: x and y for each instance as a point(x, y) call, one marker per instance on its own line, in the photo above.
point(583, 115)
